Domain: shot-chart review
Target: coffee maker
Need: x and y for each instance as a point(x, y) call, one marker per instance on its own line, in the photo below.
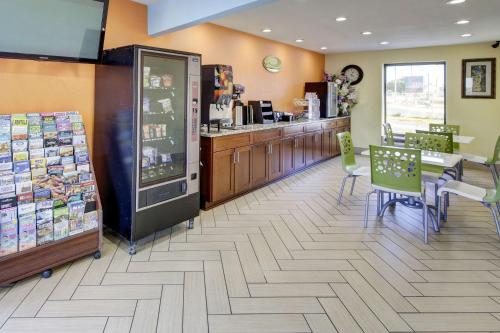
point(217, 96)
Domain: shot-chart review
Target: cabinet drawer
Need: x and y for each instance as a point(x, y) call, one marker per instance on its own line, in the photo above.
point(293, 130)
point(343, 122)
point(329, 124)
point(313, 127)
point(262, 136)
point(231, 141)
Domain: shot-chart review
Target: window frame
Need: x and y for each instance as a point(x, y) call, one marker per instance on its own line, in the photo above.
point(412, 64)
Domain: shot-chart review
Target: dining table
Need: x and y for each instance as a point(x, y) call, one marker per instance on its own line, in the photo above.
point(463, 139)
point(445, 160)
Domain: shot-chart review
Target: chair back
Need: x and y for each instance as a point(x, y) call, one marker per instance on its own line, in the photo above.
point(396, 168)
point(496, 153)
point(346, 149)
point(389, 137)
point(442, 128)
point(447, 135)
point(432, 142)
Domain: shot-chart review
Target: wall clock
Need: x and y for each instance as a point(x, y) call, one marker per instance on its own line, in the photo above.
point(272, 64)
point(353, 73)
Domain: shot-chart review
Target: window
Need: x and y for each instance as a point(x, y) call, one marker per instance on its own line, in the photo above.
point(415, 95)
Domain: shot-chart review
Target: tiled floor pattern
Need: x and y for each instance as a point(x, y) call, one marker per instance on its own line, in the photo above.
point(284, 258)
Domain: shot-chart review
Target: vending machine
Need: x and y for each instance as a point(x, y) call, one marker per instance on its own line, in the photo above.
point(146, 139)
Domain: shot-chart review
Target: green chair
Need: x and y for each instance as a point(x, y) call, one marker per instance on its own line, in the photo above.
point(452, 172)
point(449, 139)
point(488, 162)
point(442, 128)
point(389, 136)
point(397, 171)
point(488, 197)
point(349, 165)
point(431, 142)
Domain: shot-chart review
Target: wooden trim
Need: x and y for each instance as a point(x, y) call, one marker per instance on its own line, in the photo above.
point(231, 141)
point(22, 264)
point(267, 135)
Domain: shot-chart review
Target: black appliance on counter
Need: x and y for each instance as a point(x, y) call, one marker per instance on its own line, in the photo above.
point(327, 94)
point(147, 139)
point(262, 112)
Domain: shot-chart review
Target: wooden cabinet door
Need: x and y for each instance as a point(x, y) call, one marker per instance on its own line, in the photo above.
point(275, 160)
point(243, 169)
point(299, 152)
point(288, 146)
point(223, 174)
point(260, 170)
point(309, 148)
point(317, 145)
point(326, 148)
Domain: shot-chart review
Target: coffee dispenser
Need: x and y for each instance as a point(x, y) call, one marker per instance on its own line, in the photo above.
point(217, 96)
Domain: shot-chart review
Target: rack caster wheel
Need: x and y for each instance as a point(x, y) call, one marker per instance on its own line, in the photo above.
point(97, 254)
point(190, 224)
point(132, 249)
point(47, 273)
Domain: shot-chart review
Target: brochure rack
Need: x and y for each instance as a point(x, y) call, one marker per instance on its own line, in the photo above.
point(71, 246)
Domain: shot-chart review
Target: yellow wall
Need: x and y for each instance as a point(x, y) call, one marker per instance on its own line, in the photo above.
point(477, 117)
point(29, 86)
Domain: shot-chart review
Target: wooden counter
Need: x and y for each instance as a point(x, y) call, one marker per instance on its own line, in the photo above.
point(235, 163)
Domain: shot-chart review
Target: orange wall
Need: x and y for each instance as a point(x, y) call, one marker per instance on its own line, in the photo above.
point(29, 86)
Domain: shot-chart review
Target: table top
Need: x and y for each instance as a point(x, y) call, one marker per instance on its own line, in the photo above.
point(434, 158)
point(463, 139)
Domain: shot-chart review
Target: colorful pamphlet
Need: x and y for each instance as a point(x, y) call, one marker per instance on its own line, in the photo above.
point(27, 232)
point(8, 231)
point(19, 145)
point(44, 233)
point(90, 220)
point(20, 156)
point(19, 127)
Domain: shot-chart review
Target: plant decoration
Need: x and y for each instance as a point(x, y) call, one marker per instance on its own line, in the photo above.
point(347, 97)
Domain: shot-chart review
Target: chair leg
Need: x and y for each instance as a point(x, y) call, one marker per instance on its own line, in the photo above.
point(379, 201)
point(438, 217)
point(426, 222)
point(367, 203)
point(342, 190)
point(446, 205)
point(495, 217)
point(437, 205)
point(353, 183)
point(494, 173)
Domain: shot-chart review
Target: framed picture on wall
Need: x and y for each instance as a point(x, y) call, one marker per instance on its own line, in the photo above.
point(478, 78)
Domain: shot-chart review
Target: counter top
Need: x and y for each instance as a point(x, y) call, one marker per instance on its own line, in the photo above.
point(261, 127)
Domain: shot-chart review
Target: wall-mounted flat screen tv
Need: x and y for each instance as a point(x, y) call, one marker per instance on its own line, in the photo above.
point(60, 30)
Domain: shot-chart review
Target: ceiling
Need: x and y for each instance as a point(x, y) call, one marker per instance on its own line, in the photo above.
point(402, 23)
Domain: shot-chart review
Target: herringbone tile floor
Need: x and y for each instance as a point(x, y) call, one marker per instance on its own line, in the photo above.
point(284, 258)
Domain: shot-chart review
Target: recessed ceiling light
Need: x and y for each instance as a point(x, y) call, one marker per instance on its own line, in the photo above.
point(341, 19)
point(454, 2)
point(384, 43)
point(462, 22)
point(466, 35)
point(266, 30)
point(366, 33)
point(299, 40)
point(323, 48)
